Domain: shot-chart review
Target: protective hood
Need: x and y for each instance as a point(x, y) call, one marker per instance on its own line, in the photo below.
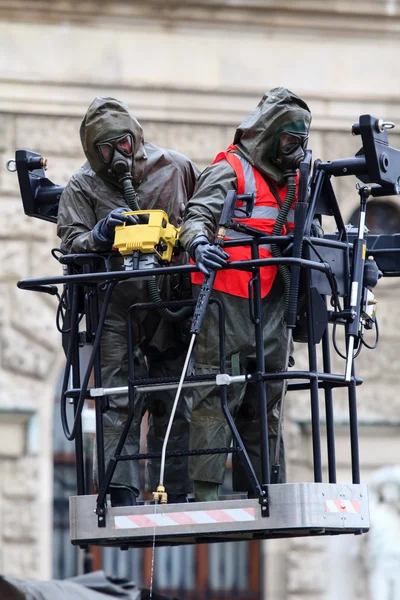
point(108, 118)
point(257, 136)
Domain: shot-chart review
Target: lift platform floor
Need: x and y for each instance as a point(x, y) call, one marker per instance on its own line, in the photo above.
point(295, 509)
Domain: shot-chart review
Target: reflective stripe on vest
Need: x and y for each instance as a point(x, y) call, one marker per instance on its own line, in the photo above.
point(265, 212)
point(249, 180)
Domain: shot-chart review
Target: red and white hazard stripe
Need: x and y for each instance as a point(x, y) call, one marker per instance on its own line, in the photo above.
point(195, 517)
point(347, 506)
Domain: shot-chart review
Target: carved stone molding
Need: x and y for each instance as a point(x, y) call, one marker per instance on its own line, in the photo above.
point(20, 522)
point(6, 132)
point(21, 228)
point(155, 103)
point(58, 139)
point(200, 142)
point(254, 13)
point(60, 136)
point(34, 316)
point(20, 560)
point(13, 260)
point(20, 478)
point(23, 355)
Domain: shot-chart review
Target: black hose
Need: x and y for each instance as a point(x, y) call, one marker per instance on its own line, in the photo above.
point(169, 315)
point(71, 434)
point(70, 351)
point(132, 200)
point(277, 230)
point(130, 194)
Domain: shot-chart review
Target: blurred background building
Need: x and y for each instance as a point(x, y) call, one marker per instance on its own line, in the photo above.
point(190, 70)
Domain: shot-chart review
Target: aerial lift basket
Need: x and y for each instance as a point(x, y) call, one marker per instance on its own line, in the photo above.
point(334, 266)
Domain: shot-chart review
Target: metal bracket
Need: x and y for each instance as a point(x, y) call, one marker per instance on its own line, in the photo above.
point(100, 509)
point(225, 379)
point(83, 339)
point(220, 379)
point(275, 473)
point(264, 501)
point(101, 516)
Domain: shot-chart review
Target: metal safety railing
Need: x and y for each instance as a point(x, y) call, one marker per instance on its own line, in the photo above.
point(89, 284)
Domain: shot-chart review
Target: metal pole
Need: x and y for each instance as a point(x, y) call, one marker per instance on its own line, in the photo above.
point(315, 425)
point(99, 402)
point(330, 424)
point(244, 457)
point(79, 454)
point(355, 458)
point(112, 463)
point(276, 463)
point(174, 406)
point(255, 301)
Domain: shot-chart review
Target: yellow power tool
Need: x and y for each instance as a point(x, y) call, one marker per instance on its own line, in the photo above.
point(149, 243)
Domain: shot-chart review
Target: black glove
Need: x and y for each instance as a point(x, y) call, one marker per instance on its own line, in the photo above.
point(103, 231)
point(316, 229)
point(209, 256)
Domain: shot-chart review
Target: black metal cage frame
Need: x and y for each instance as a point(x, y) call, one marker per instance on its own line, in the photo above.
point(328, 267)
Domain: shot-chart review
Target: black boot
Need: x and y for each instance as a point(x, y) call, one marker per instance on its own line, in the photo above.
point(121, 496)
point(205, 491)
point(177, 498)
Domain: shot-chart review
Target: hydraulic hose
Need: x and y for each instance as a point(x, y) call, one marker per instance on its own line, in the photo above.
point(132, 200)
point(182, 313)
point(279, 223)
point(130, 194)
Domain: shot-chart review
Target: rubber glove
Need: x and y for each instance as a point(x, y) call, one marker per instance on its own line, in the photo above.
point(103, 231)
point(208, 256)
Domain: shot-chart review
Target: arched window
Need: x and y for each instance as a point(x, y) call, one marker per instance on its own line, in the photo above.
point(382, 216)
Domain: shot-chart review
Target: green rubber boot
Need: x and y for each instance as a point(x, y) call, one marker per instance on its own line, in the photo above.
point(205, 491)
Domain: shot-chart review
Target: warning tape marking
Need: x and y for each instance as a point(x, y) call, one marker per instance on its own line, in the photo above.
point(195, 517)
point(340, 506)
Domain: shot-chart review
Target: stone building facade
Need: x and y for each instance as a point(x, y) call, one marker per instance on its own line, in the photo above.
point(191, 71)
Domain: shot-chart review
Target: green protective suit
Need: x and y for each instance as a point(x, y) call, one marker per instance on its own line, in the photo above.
point(163, 179)
point(257, 140)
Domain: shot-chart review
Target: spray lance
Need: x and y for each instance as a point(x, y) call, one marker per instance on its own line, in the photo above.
point(201, 306)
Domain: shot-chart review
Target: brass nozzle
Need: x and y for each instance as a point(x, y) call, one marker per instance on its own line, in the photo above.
point(160, 495)
point(43, 163)
point(221, 232)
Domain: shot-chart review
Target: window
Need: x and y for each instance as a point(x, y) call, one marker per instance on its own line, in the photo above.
point(382, 216)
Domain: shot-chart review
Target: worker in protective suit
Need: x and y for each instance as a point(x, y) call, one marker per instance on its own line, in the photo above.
point(267, 146)
point(91, 206)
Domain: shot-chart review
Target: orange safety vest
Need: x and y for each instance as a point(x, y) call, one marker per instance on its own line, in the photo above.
point(265, 212)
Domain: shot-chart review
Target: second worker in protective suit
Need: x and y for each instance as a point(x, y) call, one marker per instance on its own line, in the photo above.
point(91, 206)
point(268, 145)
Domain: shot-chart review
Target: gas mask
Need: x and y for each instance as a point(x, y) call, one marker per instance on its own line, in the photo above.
point(290, 151)
point(117, 154)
